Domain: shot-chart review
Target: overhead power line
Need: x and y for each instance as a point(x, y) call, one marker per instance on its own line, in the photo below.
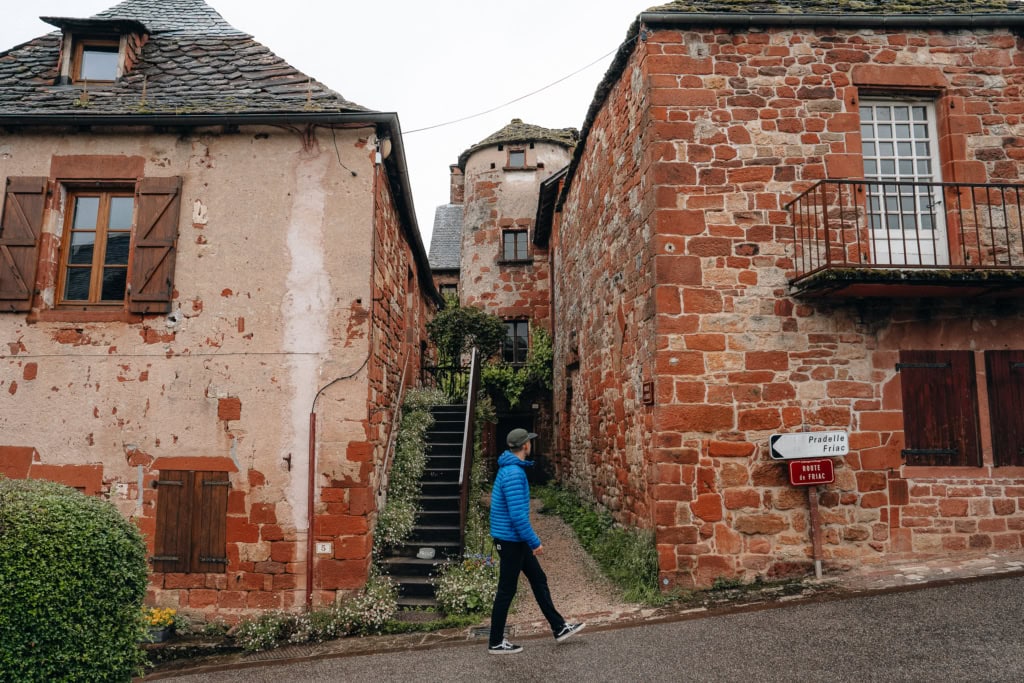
point(518, 99)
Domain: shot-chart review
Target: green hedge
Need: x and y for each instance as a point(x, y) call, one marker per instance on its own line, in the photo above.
point(72, 580)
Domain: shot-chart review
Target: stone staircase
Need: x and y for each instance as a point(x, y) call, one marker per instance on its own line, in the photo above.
point(438, 524)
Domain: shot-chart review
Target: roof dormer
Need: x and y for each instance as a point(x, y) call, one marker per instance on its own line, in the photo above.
point(98, 51)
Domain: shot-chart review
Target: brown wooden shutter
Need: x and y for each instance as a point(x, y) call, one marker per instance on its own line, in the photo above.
point(20, 227)
point(173, 522)
point(1005, 370)
point(156, 234)
point(210, 522)
point(940, 408)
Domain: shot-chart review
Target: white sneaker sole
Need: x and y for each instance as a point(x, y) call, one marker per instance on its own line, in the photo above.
point(570, 634)
point(504, 652)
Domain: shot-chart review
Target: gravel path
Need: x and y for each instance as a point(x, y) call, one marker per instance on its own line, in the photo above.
point(578, 589)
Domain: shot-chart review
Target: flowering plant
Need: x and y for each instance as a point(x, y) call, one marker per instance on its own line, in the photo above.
point(159, 617)
point(467, 587)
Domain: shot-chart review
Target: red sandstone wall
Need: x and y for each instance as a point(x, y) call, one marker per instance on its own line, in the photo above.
point(737, 124)
point(604, 318)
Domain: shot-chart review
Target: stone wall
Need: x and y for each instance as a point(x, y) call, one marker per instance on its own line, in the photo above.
point(496, 199)
point(605, 265)
point(734, 125)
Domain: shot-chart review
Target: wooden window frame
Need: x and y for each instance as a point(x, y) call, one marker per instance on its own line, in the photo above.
point(81, 45)
point(515, 350)
point(515, 234)
point(1004, 371)
point(940, 408)
point(191, 522)
point(106, 192)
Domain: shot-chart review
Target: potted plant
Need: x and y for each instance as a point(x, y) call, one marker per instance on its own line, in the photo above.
point(160, 621)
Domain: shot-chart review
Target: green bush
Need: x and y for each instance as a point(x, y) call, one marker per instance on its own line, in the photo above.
point(369, 611)
point(395, 522)
point(72, 581)
point(468, 586)
point(626, 556)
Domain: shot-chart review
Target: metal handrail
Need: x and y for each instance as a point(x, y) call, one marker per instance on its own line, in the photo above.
point(468, 438)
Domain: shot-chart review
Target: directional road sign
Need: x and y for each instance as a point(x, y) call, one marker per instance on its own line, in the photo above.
point(802, 445)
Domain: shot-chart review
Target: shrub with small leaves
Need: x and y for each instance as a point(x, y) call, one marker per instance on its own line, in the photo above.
point(395, 522)
point(72, 579)
point(266, 631)
point(467, 586)
point(369, 611)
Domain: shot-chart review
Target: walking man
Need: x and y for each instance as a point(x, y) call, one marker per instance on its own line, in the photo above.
point(517, 545)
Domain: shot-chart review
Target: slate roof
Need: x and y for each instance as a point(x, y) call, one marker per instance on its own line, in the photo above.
point(842, 6)
point(446, 240)
point(517, 131)
point(193, 63)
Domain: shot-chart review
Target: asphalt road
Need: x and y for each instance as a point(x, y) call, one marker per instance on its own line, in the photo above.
point(965, 632)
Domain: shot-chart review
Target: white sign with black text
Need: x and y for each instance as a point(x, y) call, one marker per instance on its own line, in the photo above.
point(802, 445)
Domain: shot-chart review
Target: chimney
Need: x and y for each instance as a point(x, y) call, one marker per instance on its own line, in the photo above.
point(458, 185)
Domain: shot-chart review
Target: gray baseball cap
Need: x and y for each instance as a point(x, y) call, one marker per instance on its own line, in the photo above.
point(517, 437)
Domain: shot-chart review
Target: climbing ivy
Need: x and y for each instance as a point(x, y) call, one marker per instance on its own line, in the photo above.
point(501, 379)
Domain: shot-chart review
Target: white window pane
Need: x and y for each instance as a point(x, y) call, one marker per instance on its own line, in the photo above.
point(98, 65)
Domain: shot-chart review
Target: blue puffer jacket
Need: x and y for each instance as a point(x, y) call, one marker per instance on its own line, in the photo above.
point(510, 502)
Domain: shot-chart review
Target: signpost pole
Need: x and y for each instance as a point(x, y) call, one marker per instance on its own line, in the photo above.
point(812, 499)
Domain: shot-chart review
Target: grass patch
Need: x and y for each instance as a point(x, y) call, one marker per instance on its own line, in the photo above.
point(626, 556)
point(442, 622)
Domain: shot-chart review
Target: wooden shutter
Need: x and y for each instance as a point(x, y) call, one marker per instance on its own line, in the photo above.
point(173, 522)
point(940, 408)
point(1005, 370)
point(152, 272)
point(210, 522)
point(20, 227)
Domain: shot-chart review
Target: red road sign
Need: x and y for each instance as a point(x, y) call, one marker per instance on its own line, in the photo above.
point(811, 472)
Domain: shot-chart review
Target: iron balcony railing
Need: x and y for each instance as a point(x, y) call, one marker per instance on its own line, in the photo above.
point(899, 224)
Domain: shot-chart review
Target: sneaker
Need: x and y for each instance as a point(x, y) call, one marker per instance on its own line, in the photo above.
point(506, 648)
point(568, 630)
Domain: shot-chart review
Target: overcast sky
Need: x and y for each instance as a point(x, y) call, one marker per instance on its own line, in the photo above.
point(429, 61)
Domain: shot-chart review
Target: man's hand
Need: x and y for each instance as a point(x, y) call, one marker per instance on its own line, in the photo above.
point(539, 550)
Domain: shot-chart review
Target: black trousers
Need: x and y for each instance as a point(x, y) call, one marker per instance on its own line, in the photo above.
point(517, 557)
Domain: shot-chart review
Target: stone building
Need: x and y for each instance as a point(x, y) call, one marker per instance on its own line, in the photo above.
point(502, 270)
point(798, 216)
point(446, 239)
point(211, 278)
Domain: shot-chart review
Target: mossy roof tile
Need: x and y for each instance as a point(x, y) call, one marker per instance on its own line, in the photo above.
point(841, 6)
point(517, 131)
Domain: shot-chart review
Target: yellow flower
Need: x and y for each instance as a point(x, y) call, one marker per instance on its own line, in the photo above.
point(159, 617)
